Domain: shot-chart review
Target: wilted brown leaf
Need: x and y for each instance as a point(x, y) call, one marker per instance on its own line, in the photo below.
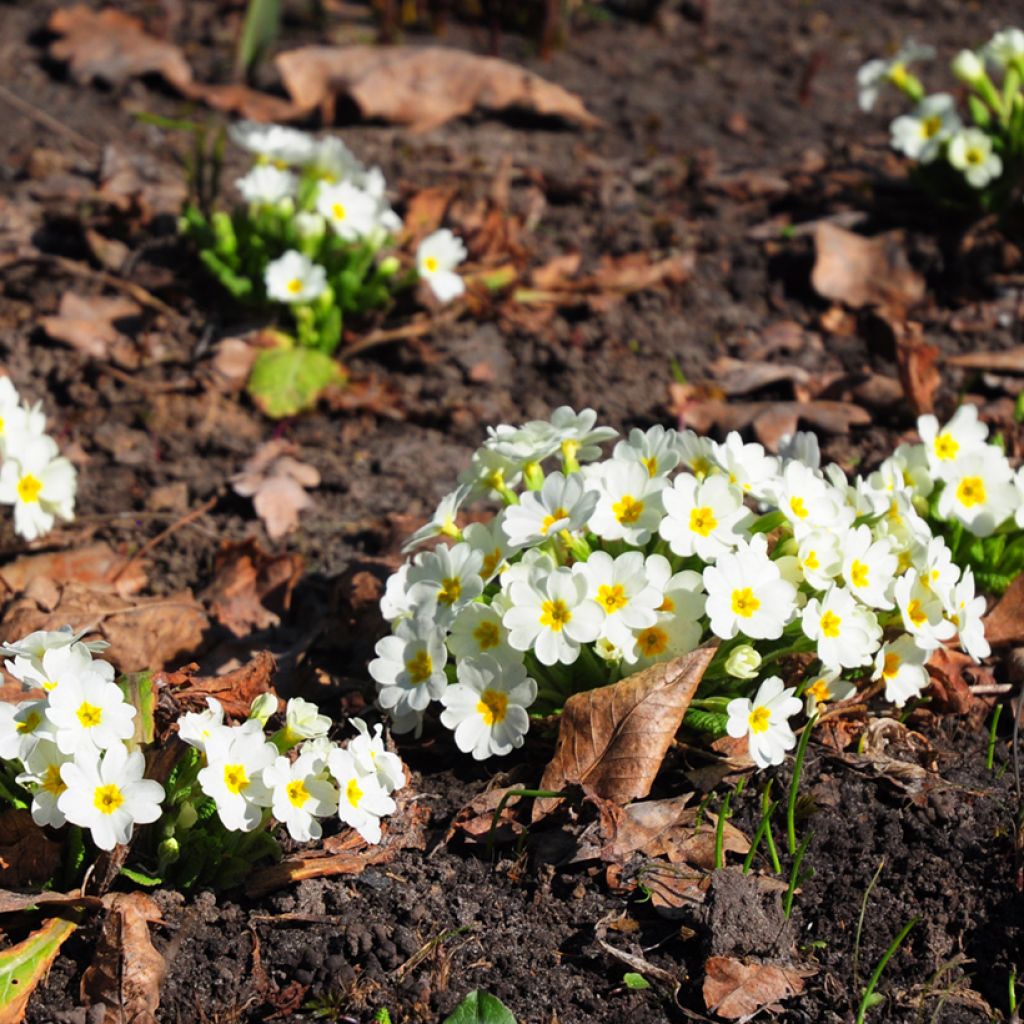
point(1004, 625)
point(126, 970)
point(276, 481)
point(425, 211)
point(1010, 360)
point(953, 673)
point(741, 376)
point(89, 323)
point(675, 888)
point(476, 818)
point(733, 989)
point(861, 271)
point(13, 902)
point(26, 854)
point(613, 739)
point(97, 566)
point(421, 87)
point(235, 690)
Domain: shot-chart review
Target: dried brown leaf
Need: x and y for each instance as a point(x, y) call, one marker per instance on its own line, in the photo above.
point(235, 690)
point(613, 739)
point(1004, 625)
point(741, 376)
point(14, 902)
point(1010, 360)
point(425, 211)
point(775, 417)
point(97, 566)
point(26, 853)
point(734, 989)
point(276, 481)
point(953, 673)
point(89, 323)
point(40, 949)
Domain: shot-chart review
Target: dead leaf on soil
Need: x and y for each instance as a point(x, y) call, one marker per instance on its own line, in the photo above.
point(475, 819)
point(88, 323)
point(251, 589)
point(741, 376)
point(235, 690)
point(734, 989)
point(861, 271)
point(953, 673)
point(635, 960)
point(126, 970)
point(1004, 625)
point(421, 87)
point(425, 211)
point(26, 854)
point(24, 966)
point(277, 482)
point(675, 888)
point(1010, 360)
point(15, 902)
point(96, 566)
point(613, 739)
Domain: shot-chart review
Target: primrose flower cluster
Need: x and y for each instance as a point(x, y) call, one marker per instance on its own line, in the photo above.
point(34, 477)
point(595, 568)
point(73, 756)
point(983, 151)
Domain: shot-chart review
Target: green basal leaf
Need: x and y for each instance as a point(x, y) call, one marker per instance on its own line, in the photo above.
point(480, 1008)
point(261, 27)
point(138, 691)
point(139, 878)
point(994, 582)
point(635, 981)
point(285, 382)
point(706, 721)
point(23, 966)
point(240, 287)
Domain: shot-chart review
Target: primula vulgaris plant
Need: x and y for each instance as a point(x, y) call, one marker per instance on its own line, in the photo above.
point(315, 237)
point(977, 160)
point(598, 567)
point(76, 757)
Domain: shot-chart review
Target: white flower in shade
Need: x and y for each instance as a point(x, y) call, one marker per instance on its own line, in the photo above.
point(962, 437)
point(980, 492)
point(966, 611)
point(387, 221)
point(906, 469)
point(533, 442)
point(274, 143)
point(477, 630)
point(656, 449)
point(59, 663)
point(331, 160)
point(396, 602)
point(349, 211)
point(922, 612)
point(765, 721)
point(869, 567)
point(704, 518)
point(88, 711)
point(486, 708)
point(303, 721)
point(970, 151)
point(22, 726)
point(920, 135)
point(409, 669)
point(108, 795)
point(196, 727)
point(743, 662)
point(801, 446)
point(903, 526)
point(677, 629)
point(621, 589)
point(1005, 47)
point(362, 800)
point(491, 474)
point(900, 664)
point(552, 617)
point(436, 259)
point(36, 644)
point(809, 502)
point(448, 577)
point(267, 185)
point(18, 422)
point(876, 73)
point(294, 278)
point(629, 503)
point(309, 225)
point(490, 541)
point(299, 794)
point(562, 503)
point(820, 558)
point(443, 521)
point(373, 758)
point(43, 779)
point(534, 567)
point(40, 484)
point(233, 777)
point(746, 465)
point(847, 634)
point(696, 453)
point(823, 687)
point(747, 594)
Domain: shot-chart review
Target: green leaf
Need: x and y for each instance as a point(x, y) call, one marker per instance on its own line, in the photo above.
point(262, 24)
point(23, 966)
point(981, 114)
point(706, 721)
point(285, 381)
point(635, 981)
point(480, 1008)
point(140, 879)
point(138, 691)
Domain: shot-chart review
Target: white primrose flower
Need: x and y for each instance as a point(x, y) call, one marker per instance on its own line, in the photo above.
point(801, 446)
point(22, 726)
point(903, 526)
point(747, 593)
point(396, 602)
point(58, 663)
point(552, 617)
point(922, 611)
point(576, 436)
point(765, 721)
point(303, 721)
point(677, 629)
point(446, 579)
point(743, 662)
point(823, 687)
point(294, 278)
point(18, 422)
point(490, 541)
point(43, 779)
point(876, 73)
point(363, 801)
point(696, 453)
point(935, 567)
point(274, 143)
point(196, 727)
point(40, 484)
point(962, 437)
point(437, 256)
point(309, 225)
point(373, 758)
point(901, 665)
point(968, 66)
point(746, 465)
point(1005, 47)
point(921, 135)
point(107, 794)
point(36, 644)
point(809, 502)
point(89, 712)
point(629, 503)
point(869, 567)
point(350, 212)
point(486, 708)
point(236, 758)
point(531, 443)
point(980, 492)
point(820, 558)
point(388, 222)
point(970, 151)
point(966, 611)
point(656, 449)
point(300, 793)
point(846, 633)
point(534, 567)
point(331, 160)
point(621, 589)
point(704, 518)
point(409, 671)
point(490, 474)
point(443, 521)
point(478, 629)
point(267, 185)
point(562, 503)
point(1018, 483)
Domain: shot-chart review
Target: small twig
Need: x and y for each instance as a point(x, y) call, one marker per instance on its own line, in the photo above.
point(34, 113)
point(404, 333)
point(148, 387)
point(189, 517)
point(989, 689)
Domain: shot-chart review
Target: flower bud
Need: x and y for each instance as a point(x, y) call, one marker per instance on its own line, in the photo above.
point(743, 662)
point(309, 225)
point(187, 817)
point(968, 67)
point(389, 266)
point(167, 852)
point(263, 707)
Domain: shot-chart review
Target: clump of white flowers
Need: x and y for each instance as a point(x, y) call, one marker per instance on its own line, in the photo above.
point(595, 567)
point(983, 150)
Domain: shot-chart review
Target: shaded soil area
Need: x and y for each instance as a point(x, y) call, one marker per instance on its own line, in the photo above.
point(721, 140)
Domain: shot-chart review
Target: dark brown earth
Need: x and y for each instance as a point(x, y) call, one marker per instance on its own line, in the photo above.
point(716, 137)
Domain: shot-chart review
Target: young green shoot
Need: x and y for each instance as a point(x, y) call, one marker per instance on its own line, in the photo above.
point(763, 831)
point(794, 785)
point(860, 918)
point(724, 814)
point(871, 997)
point(795, 875)
point(990, 754)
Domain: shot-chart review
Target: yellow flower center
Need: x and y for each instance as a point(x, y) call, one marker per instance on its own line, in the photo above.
point(974, 155)
point(52, 782)
point(830, 623)
point(811, 561)
point(931, 126)
point(89, 715)
point(107, 799)
point(570, 446)
point(891, 665)
point(491, 563)
point(702, 520)
point(492, 707)
point(451, 590)
point(294, 285)
point(819, 691)
point(744, 603)
point(650, 463)
point(652, 641)
point(628, 510)
point(297, 792)
point(353, 792)
point(971, 491)
point(946, 446)
point(49, 685)
point(798, 507)
point(235, 778)
point(916, 613)
point(759, 719)
point(612, 598)
point(29, 723)
point(487, 635)
point(338, 211)
point(420, 668)
point(898, 75)
point(29, 488)
point(549, 521)
point(701, 467)
point(431, 265)
point(555, 615)
point(668, 605)
point(859, 574)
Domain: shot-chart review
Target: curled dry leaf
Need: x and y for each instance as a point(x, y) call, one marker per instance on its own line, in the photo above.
point(1004, 625)
point(1010, 360)
point(614, 739)
point(277, 482)
point(235, 690)
point(126, 971)
point(734, 989)
point(96, 565)
point(26, 853)
point(953, 673)
point(90, 323)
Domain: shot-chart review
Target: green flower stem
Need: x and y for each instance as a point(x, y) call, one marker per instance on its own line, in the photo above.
point(988, 92)
point(794, 786)
point(496, 817)
point(762, 829)
point(869, 999)
point(724, 813)
point(533, 476)
point(794, 876)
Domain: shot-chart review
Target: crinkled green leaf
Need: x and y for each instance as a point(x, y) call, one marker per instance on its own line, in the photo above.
point(285, 381)
point(480, 1008)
